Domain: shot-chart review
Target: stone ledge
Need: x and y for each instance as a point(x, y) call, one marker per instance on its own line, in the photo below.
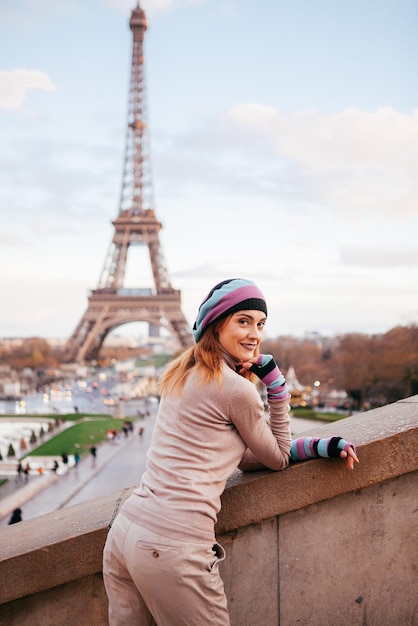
point(67, 545)
point(386, 441)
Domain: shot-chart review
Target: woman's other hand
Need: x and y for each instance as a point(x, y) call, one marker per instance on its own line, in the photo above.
point(350, 458)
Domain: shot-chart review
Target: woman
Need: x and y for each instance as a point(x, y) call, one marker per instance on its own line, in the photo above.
point(161, 556)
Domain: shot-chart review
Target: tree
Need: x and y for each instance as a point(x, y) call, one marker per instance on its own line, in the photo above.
point(398, 362)
point(33, 353)
point(372, 369)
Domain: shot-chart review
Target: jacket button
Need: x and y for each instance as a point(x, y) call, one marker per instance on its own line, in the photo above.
point(155, 554)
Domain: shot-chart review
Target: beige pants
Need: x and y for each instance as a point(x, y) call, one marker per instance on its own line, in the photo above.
point(150, 579)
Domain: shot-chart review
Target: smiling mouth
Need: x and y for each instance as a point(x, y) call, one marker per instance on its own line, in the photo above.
point(248, 346)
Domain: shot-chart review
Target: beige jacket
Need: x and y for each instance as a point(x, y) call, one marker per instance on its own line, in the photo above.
point(199, 440)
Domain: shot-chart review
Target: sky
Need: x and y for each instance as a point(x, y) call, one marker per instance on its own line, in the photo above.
point(284, 149)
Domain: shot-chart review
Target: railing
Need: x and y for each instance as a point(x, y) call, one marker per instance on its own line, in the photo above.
point(314, 544)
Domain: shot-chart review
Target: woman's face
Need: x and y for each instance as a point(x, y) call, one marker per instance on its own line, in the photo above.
point(241, 333)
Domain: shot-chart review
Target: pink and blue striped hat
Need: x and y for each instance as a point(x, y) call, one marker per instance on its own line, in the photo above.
point(229, 296)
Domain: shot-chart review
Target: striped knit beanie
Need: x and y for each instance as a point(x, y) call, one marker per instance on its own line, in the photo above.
point(235, 294)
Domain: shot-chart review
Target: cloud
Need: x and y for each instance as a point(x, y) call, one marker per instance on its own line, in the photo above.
point(41, 177)
point(229, 10)
point(8, 239)
point(353, 159)
point(16, 84)
point(378, 257)
point(351, 163)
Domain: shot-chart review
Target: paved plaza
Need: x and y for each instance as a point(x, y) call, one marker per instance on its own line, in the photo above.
point(118, 465)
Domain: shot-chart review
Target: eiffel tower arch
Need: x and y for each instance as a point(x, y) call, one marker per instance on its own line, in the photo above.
point(111, 304)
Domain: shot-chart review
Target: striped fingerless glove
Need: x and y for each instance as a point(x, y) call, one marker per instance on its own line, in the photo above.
point(267, 371)
point(306, 448)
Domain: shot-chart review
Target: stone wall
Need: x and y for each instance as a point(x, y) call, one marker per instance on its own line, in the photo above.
point(315, 544)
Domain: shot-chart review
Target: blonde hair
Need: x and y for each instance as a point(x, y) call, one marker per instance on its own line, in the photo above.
point(207, 357)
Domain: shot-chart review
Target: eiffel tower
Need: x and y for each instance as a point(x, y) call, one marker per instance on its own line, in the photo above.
point(111, 305)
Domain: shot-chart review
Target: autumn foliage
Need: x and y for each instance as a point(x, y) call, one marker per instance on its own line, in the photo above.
point(373, 369)
point(33, 353)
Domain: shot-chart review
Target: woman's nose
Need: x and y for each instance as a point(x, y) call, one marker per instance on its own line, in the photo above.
point(254, 331)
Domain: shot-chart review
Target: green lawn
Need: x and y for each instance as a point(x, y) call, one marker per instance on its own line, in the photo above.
point(67, 417)
point(80, 437)
point(310, 414)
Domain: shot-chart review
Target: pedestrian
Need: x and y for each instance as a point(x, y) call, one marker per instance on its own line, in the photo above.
point(26, 471)
point(93, 452)
point(16, 516)
point(55, 466)
point(64, 457)
point(211, 420)
point(19, 470)
point(77, 460)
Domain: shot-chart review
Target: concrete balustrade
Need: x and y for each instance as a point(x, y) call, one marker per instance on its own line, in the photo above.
point(314, 544)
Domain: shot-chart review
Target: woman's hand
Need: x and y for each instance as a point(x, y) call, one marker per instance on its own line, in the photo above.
point(304, 448)
point(350, 456)
point(246, 365)
point(265, 367)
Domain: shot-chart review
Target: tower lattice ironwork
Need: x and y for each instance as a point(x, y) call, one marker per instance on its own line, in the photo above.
point(111, 304)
